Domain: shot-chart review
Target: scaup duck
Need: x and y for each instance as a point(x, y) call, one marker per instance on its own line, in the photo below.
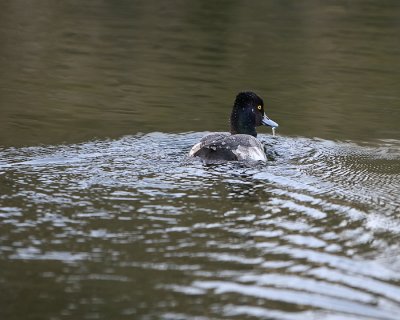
point(241, 143)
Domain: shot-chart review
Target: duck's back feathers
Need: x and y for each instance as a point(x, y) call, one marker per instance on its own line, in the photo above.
point(222, 146)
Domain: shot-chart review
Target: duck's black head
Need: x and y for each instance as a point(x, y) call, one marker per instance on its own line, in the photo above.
point(248, 113)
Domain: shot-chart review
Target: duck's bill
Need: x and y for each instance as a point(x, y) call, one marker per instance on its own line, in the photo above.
point(268, 122)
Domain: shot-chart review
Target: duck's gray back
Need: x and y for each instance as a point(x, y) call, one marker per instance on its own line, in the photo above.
point(224, 146)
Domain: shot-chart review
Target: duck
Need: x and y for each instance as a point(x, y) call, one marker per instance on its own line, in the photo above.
point(240, 144)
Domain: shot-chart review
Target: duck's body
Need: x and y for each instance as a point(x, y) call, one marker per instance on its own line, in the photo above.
point(223, 146)
point(241, 143)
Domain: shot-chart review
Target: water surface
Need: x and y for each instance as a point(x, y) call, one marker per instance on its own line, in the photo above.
point(104, 69)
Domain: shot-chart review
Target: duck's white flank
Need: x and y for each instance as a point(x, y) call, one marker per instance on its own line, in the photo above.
point(194, 149)
point(250, 153)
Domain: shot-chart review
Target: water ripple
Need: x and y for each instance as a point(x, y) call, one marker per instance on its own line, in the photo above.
point(313, 233)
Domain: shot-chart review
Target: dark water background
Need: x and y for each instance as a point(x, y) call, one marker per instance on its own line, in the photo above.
point(102, 215)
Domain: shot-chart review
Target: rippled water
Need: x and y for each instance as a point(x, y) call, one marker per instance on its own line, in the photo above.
point(133, 227)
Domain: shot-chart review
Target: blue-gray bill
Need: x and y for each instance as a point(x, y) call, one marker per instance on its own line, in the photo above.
point(268, 122)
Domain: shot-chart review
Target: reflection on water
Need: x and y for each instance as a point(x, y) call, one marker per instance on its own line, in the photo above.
point(135, 223)
point(106, 69)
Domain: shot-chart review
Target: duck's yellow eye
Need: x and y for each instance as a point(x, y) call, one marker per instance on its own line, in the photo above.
point(259, 107)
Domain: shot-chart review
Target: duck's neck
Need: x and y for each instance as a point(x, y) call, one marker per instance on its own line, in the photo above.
point(242, 123)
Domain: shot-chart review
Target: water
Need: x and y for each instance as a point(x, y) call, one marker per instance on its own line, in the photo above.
point(109, 229)
point(103, 215)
